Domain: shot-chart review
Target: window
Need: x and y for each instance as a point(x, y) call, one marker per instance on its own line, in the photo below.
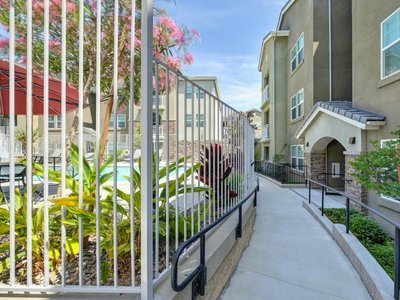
point(297, 53)
point(390, 32)
point(297, 156)
point(189, 120)
point(121, 121)
point(201, 92)
point(297, 105)
point(201, 116)
point(392, 173)
point(54, 122)
point(189, 91)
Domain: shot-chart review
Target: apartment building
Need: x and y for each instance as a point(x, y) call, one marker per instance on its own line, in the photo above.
point(294, 63)
point(190, 115)
point(342, 85)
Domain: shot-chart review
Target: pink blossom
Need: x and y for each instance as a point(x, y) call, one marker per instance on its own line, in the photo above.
point(188, 59)
point(138, 43)
point(71, 7)
point(195, 32)
point(37, 5)
point(54, 43)
point(93, 4)
point(3, 43)
point(173, 62)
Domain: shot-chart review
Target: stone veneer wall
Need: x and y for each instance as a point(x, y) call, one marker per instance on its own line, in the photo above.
point(316, 163)
point(217, 283)
point(352, 188)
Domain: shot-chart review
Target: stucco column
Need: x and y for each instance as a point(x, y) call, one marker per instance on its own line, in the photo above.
point(352, 188)
point(316, 163)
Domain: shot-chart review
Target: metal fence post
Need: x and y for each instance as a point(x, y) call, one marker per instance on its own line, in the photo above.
point(147, 151)
point(347, 214)
point(309, 191)
point(322, 200)
point(396, 263)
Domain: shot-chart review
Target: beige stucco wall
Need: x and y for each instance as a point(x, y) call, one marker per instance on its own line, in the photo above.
point(369, 91)
point(325, 128)
point(275, 65)
point(298, 19)
point(311, 17)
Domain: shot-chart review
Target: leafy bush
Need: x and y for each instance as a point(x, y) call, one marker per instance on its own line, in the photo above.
point(338, 215)
point(367, 230)
point(384, 254)
point(370, 234)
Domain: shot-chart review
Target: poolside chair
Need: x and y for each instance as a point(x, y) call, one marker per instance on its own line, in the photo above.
point(19, 176)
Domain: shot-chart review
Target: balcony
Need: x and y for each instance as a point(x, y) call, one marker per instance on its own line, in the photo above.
point(265, 135)
point(265, 95)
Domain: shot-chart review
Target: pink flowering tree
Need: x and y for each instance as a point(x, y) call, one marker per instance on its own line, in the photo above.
point(171, 43)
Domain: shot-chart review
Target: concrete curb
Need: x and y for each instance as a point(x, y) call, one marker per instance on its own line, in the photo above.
point(375, 279)
point(220, 243)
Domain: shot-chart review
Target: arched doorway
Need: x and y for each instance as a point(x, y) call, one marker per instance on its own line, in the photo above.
point(330, 168)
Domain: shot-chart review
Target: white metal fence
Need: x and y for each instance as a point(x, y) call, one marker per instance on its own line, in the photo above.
point(116, 220)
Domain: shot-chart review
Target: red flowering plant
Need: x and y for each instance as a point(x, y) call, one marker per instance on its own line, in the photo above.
point(211, 160)
point(171, 43)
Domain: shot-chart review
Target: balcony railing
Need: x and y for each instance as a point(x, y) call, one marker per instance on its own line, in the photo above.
point(265, 134)
point(265, 94)
point(111, 226)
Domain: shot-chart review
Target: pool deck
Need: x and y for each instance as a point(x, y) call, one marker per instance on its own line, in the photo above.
point(291, 256)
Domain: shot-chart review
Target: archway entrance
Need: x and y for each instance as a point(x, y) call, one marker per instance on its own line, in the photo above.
point(335, 165)
point(327, 163)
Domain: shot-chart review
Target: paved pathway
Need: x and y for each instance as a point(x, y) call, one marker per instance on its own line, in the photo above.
point(291, 256)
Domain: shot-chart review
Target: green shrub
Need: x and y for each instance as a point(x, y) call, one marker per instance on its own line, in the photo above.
point(367, 230)
point(384, 255)
point(370, 234)
point(338, 215)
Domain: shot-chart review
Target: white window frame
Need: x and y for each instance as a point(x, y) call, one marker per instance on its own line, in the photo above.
point(297, 105)
point(56, 121)
point(296, 156)
point(382, 195)
point(383, 49)
point(111, 126)
point(201, 92)
point(199, 119)
point(189, 91)
point(188, 120)
point(296, 51)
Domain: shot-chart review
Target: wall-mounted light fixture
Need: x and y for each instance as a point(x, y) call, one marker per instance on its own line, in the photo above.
point(352, 140)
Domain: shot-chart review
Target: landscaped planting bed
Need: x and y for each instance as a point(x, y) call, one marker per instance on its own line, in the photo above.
point(370, 234)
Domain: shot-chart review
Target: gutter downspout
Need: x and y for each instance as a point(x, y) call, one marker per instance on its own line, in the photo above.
point(330, 47)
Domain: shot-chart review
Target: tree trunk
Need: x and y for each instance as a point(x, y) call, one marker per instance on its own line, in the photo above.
point(110, 102)
point(106, 126)
point(75, 122)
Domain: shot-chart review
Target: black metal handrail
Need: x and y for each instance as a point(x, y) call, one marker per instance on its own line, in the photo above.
point(284, 173)
point(347, 224)
point(198, 275)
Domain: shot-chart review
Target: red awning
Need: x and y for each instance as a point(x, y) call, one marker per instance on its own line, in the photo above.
point(72, 95)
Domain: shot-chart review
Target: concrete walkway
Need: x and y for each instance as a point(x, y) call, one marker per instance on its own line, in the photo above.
point(291, 256)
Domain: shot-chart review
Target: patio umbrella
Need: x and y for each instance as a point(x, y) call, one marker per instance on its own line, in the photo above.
point(72, 95)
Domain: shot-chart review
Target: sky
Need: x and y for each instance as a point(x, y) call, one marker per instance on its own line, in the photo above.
point(231, 36)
